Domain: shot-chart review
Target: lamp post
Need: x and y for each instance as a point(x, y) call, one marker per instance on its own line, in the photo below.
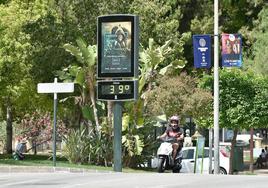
point(216, 87)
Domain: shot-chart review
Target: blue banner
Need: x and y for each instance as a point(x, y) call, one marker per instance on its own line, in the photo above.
point(202, 51)
point(231, 50)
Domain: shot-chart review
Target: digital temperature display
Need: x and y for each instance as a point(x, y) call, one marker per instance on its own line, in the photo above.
point(119, 90)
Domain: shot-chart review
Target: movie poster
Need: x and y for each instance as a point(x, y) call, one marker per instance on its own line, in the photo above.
point(116, 45)
point(231, 50)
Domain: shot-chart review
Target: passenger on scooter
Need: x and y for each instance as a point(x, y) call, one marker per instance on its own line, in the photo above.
point(174, 131)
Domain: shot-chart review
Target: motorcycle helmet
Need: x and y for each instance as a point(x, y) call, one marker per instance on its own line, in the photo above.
point(174, 121)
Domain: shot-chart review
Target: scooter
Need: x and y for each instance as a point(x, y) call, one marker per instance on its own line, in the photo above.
point(165, 159)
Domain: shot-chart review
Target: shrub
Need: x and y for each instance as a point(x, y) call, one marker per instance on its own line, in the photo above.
point(77, 145)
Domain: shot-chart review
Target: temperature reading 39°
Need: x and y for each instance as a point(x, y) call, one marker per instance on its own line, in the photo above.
point(117, 90)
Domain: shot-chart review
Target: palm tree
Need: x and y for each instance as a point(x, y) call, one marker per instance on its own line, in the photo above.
point(85, 76)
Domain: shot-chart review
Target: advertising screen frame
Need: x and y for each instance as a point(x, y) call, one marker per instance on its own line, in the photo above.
point(115, 71)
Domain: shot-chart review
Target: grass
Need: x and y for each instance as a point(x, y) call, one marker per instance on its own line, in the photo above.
point(46, 161)
point(249, 173)
point(247, 156)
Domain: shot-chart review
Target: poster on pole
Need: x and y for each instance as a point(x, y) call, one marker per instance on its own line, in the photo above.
point(117, 46)
point(202, 51)
point(199, 155)
point(231, 50)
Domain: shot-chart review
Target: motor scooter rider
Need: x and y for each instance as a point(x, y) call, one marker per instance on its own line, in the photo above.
point(174, 131)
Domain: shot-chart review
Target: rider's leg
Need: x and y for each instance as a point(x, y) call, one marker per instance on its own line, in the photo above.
point(175, 147)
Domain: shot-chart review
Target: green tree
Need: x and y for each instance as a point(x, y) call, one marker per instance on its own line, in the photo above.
point(154, 61)
point(243, 101)
point(236, 14)
point(257, 60)
point(15, 79)
point(79, 17)
point(161, 20)
point(179, 95)
point(85, 75)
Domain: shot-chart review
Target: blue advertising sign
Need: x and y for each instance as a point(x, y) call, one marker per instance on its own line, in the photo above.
point(231, 50)
point(202, 51)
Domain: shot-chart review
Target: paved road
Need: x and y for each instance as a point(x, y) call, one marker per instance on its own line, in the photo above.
point(129, 180)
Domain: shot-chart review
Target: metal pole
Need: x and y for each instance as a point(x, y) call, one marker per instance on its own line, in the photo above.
point(210, 149)
point(117, 137)
point(216, 87)
point(251, 168)
point(54, 126)
point(223, 135)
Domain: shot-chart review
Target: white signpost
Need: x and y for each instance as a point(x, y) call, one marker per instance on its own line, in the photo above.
point(55, 88)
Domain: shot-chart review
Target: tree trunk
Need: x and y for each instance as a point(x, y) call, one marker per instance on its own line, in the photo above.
point(34, 147)
point(9, 132)
point(93, 101)
point(232, 151)
point(110, 113)
point(251, 169)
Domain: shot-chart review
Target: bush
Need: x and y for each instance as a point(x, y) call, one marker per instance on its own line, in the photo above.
point(77, 145)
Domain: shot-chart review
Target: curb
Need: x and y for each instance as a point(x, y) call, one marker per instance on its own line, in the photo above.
point(34, 169)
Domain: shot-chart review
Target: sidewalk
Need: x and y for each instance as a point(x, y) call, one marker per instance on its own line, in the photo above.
point(46, 169)
point(257, 171)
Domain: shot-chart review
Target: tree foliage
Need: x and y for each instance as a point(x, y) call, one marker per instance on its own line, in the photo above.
point(243, 99)
point(85, 75)
point(258, 59)
point(179, 95)
point(161, 20)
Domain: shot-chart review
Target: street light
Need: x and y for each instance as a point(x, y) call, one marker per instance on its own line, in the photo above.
point(216, 87)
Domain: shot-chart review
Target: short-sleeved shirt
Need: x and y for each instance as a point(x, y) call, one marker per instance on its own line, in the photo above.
point(263, 155)
point(174, 132)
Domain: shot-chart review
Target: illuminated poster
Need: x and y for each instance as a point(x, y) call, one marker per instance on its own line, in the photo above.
point(116, 47)
point(231, 50)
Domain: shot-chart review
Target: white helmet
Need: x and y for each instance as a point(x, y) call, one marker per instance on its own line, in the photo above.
point(174, 118)
point(174, 121)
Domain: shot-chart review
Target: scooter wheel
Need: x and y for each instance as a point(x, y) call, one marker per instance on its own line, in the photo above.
point(160, 166)
point(177, 168)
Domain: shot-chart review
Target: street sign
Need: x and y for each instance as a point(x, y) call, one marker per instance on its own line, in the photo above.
point(202, 51)
point(118, 46)
point(117, 90)
point(55, 87)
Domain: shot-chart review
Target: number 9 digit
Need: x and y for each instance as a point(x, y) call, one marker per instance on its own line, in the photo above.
point(121, 89)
